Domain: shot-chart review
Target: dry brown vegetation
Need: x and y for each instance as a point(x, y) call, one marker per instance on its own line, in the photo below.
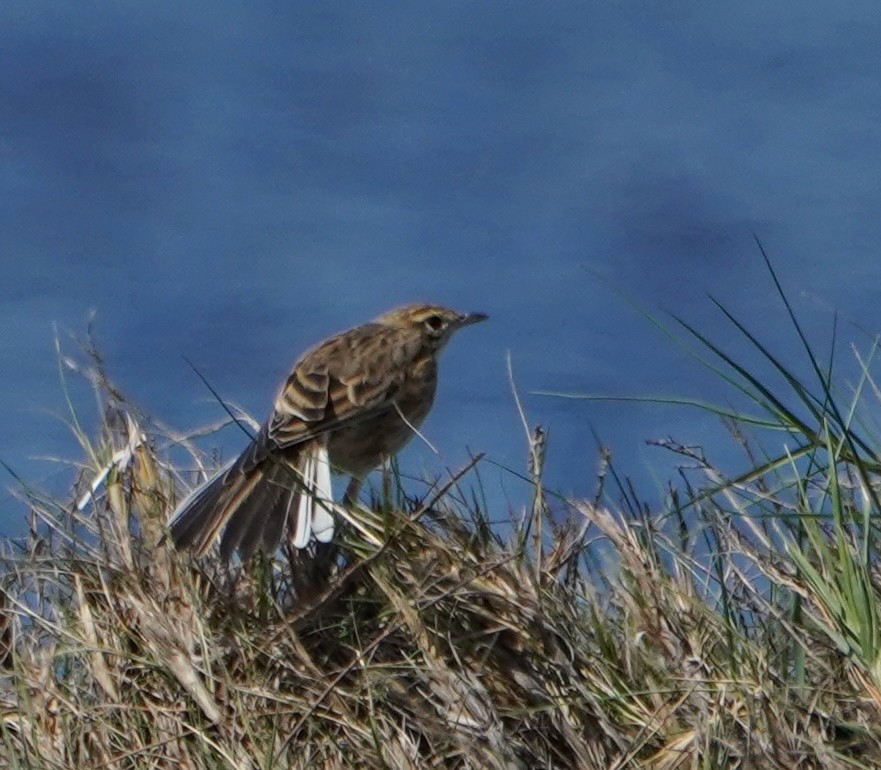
point(736, 627)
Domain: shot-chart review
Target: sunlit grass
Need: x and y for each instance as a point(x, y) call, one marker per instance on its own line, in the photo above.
point(735, 626)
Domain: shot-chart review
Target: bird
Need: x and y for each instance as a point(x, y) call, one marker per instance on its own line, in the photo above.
point(349, 403)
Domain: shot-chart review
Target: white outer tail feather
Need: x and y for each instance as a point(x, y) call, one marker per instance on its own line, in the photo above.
point(315, 510)
point(322, 514)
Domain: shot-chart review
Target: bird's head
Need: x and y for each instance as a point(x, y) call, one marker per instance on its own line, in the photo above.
point(435, 322)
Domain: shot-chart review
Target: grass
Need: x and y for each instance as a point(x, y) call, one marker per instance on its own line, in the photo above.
point(735, 627)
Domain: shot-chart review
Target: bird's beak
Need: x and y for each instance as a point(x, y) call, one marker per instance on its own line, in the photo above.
point(472, 318)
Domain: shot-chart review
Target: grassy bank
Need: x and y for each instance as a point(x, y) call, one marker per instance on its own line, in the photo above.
point(735, 626)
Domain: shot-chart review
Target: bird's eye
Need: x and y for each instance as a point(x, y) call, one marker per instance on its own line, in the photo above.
point(435, 323)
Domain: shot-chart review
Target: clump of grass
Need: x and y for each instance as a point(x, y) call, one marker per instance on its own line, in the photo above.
point(734, 627)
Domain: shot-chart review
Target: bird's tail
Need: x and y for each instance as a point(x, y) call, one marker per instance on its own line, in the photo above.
point(257, 503)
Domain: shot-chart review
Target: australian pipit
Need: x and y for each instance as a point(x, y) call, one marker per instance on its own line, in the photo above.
point(349, 402)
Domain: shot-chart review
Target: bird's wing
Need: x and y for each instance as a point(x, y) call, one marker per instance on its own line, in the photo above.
point(348, 378)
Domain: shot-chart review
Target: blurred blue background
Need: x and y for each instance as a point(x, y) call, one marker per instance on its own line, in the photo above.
point(231, 182)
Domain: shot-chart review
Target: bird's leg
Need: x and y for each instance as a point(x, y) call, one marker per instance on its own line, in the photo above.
point(350, 498)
